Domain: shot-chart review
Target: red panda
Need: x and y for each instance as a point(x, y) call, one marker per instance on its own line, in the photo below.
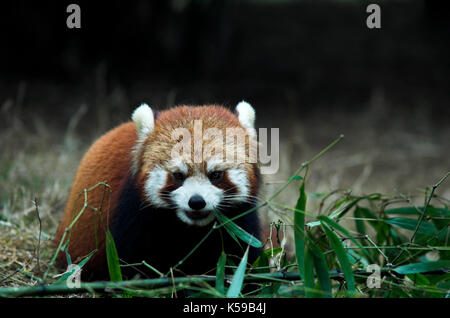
point(162, 205)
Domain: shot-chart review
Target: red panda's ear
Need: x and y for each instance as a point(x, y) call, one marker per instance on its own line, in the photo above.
point(246, 116)
point(144, 120)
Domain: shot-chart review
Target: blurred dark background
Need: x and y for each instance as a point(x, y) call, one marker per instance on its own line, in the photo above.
point(311, 68)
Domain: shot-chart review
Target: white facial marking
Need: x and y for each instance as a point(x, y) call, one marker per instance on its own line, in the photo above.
point(177, 164)
point(239, 178)
point(196, 185)
point(156, 180)
point(215, 164)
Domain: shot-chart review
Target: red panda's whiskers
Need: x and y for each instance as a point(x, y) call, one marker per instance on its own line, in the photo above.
point(150, 141)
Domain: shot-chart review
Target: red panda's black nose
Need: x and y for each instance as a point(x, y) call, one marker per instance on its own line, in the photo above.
point(196, 202)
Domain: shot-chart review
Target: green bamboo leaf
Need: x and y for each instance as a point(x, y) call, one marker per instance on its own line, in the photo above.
point(360, 226)
point(316, 195)
point(358, 257)
point(68, 258)
point(295, 178)
point(66, 275)
point(403, 211)
point(220, 273)
point(323, 274)
point(238, 278)
point(112, 258)
point(436, 279)
point(397, 238)
point(262, 263)
point(321, 268)
point(309, 274)
point(345, 208)
point(423, 267)
point(273, 252)
point(341, 209)
point(299, 231)
point(367, 213)
point(411, 224)
point(337, 226)
point(236, 231)
point(419, 279)
point(341, 254)
point(431, 211)
point(233, 236)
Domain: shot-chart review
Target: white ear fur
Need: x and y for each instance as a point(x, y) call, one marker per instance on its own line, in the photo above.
point(246, 116)
point(144, 120)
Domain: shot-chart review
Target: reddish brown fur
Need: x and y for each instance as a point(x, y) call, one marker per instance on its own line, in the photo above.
point(110, 159)
point(107, 160)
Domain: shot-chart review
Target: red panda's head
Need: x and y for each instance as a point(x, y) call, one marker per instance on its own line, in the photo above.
point(196, 159)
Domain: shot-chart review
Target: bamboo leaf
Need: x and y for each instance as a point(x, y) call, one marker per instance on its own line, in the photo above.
point(360, 226)
point(238, 278)
point(309, 274)
point(403, 211)
point(262, 262)
point(341, 209)
point(321, 268)
point(299, 230)
point(220, 274)
point(411, 224)
point(423, 267)
point(323, 274)
point(236, 231)
point(337, 226)
point(112, 258)
point(66, 275)
point(341, 254)
point(273, 252)
point(367, 213)
point(295, 178)
point(436, 279)
point(419, 279)
point(316, 195)
point(431, 211)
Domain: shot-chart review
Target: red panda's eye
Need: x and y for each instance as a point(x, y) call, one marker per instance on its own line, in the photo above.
point(178, 176)
point(215, 175)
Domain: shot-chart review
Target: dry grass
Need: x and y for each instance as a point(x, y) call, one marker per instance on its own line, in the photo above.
point(34, 164)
